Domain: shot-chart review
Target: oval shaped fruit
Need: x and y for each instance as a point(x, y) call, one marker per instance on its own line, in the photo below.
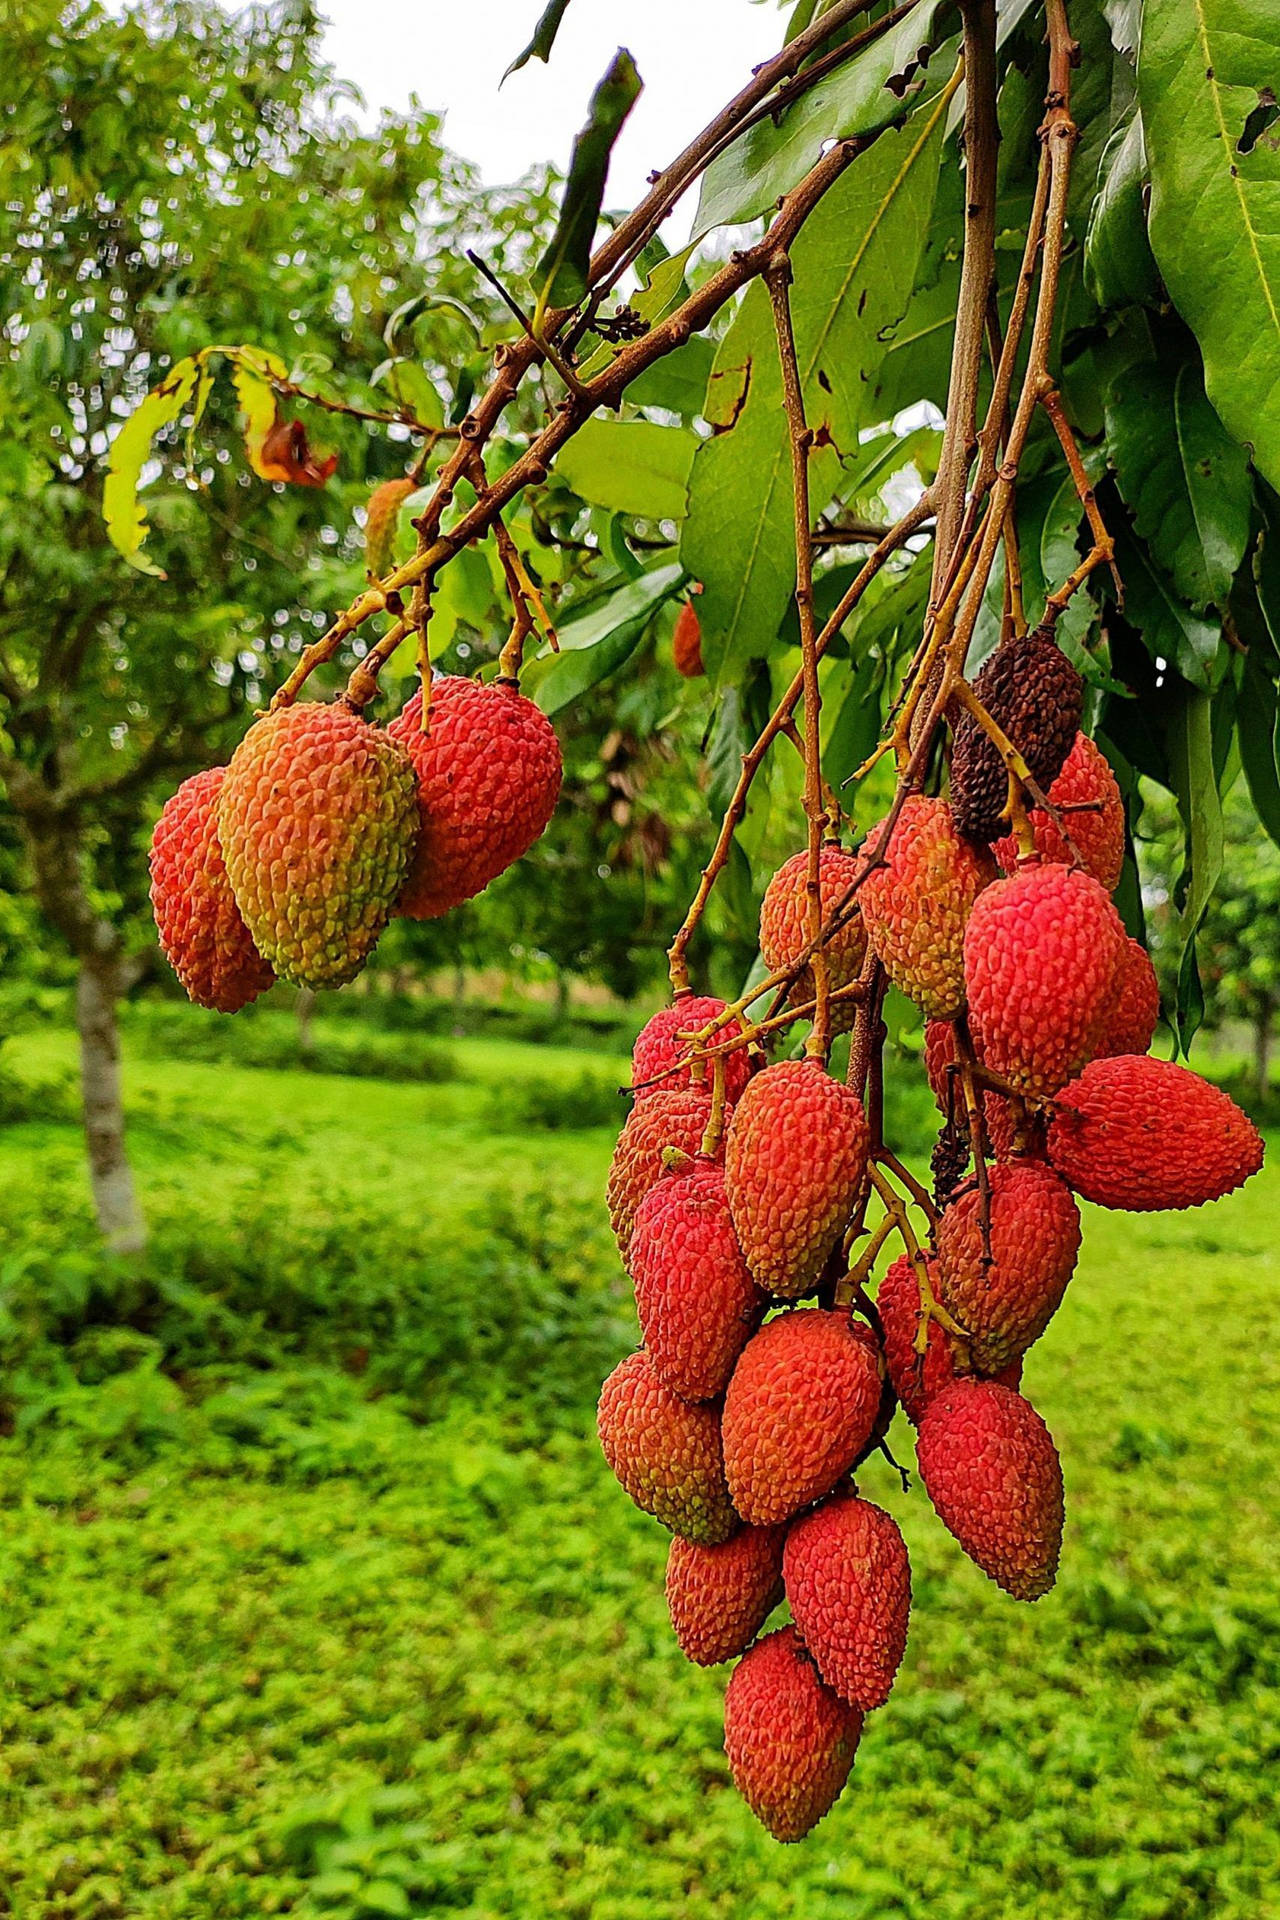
point(848, 1581)
point(917, 1377)
point(1035, 696)
point(1088, 798)
point(784, 926)
point(1134, 1008)
point(1146, 1135)
point(686, 643)
point(665, 1454)
point(915, 907)
point(1005, 1304)
point(676, 1120)
point(697, 1303)
point(202, 932)
point(720, 1597)
point(658, 1052)
point(991, 1469)
point(790, 1740)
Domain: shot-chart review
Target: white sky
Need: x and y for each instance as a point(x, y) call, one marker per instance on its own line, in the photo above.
point(691, 54)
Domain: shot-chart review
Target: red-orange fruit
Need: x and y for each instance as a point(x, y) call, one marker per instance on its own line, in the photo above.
point(784, 926)
point(686, 643)
point(916, 906)
point(940, 1053)
point(1040, 954)
point(1144, 1134)
point(488, 771)
point(848, 1582)
point(801, 1406)
point(1088, 798)
point(1034, 694)
point(789, 1738)
point(795, 1152)
point(1134, 1009)
point(917, 1377)
point(664, 1453)
point(1006, 1305)
point(991, 1469)
point(720, 1597)
point(665, 1120)
point(658, 1051)
point(202, 934)
point(697, 1302)
point(381, 519)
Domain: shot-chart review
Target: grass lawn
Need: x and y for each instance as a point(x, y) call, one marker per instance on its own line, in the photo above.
point(272, 1641)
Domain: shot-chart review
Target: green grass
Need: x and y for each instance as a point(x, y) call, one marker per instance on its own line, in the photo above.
point(270, 1642)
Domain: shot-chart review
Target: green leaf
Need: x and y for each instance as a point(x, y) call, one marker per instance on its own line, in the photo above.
point(868, 92)
point(725, 749)
point(253, 369)
point(855, 263)
point(678, 381)
point(561, 276)
point(386, 1897)
point(544, 34)
point(631, 466)
point(1185, 479)
point(1170, 630)
point(1215, 210)
point(1257, 716)
point(122, 512)
point(1190, 740)
point(1119, 266)
point(598, 642)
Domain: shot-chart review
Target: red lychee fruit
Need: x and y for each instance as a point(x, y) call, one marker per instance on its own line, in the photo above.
point(1144, 1134)
point(697, 1302)
point(917, 1377)
point(488, 771)
point(790, 1740)
point(658, 1049)
point(1134, 1009)
point(848, 1581)
point(318, 819)
point(1006, 1305)
point(915, 907)
point(784, 926)
point(940, 1053)
point(1040, 955)
point(665, 1453)
point(1088, 798)
point(720, 1597)
point(664, 1120)
point(801, 1406)
point(202, 934)
point(795, 1152)
point(686, 643)
point(1034, 694)
point(991, 1469)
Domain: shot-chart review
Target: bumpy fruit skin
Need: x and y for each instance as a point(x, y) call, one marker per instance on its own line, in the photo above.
point(664, 1453)
point(488, 771)
point(381, 518)
point(1004, 1307)
point(1145, 1134)
point(991, 1469)
point(657, 1049)
point(1034, 694)
point(790, 1740)
point(720, 1597)
point(697, 1302)
point(916, 1378)
point(784, 926)
point(1086, 781)
point(1040, 956)
point(795, 1151)
point(666, 1120)
point(1134, 1009)
point(800, 1408)
point(940, 1052)
point(317, 817)
point(916, 906)
point(848, 1581)
point(686, 643)
point(202, 934)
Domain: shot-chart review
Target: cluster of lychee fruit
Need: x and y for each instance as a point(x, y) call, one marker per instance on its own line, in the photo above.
point(739, 1190)
point(289, 862)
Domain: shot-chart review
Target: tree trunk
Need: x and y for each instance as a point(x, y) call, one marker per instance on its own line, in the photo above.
point(110, 1175)
point(564, 986)
point(1262, 1050)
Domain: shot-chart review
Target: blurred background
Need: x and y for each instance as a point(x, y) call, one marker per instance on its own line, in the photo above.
point(316, 1594)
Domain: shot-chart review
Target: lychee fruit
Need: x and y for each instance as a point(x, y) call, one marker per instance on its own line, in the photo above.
point(916, 905)
point(658, 1051)
point(686, 643)
point(991, 1469)
point(697, 1302)
point(848, 1582)
point(1087, 796)
point(801, 1406)
point(795, 1152)
point(784, 926)
point(677, 1120)
point(720, 1597)
point(1130, 1022)
point(665, 1454)
point(1035, 696)
point(381, 518)
point(917, 1377)
point(789, 1738)
point(1005, 1305)
point(1144, 1134)
point(317, 817)
point(941, 1053)
point(488, 771)
point(1040, 957)
point(202, 933)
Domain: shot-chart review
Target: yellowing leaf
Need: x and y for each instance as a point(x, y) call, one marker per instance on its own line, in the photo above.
point(122, 512)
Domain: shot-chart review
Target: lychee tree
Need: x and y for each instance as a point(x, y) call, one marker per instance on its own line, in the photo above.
point(969, 449)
